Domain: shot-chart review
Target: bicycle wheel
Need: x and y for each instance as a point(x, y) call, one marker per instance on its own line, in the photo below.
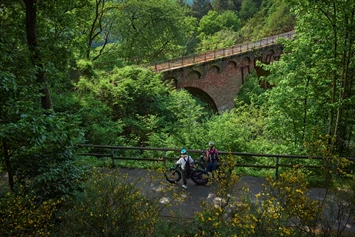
point(199, 177)
point(173, 175)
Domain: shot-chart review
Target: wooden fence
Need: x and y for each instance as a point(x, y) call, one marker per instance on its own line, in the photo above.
point(95, 151)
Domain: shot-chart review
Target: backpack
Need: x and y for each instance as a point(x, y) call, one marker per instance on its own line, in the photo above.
point(212, 156)
point(187, 164)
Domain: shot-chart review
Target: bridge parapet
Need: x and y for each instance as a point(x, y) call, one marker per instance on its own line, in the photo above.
point(217, 54)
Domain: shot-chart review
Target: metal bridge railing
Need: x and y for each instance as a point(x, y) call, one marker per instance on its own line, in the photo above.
point(219, 53)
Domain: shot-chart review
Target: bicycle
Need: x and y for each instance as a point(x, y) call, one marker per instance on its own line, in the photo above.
point(198, 176)
point(201, 162)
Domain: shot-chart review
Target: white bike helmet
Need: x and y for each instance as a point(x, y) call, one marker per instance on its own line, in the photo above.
point(211, 144)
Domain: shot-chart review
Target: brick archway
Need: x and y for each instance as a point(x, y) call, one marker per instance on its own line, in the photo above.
point(218, 81)
point(204, 97)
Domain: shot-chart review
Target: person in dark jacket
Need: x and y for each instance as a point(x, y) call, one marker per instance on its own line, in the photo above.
point(212, 158)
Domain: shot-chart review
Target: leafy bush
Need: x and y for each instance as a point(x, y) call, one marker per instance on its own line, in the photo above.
point(134, 100)
point(219, 40)
point(41, 152)
point(113, 204)
point(283, 208)
point(270, 213)
point(25, 215)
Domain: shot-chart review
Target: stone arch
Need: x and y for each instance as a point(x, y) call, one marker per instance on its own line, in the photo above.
point(214, 69)
point(204, 97)
point(231, 65)
point(194, 75)
point(269, 56)
point(245, 68)
point(231, 68)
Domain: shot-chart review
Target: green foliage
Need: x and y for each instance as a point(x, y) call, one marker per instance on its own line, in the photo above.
point(113, 204)
point(280, 18)
point(330, 35)
point(332, 165)
point(214, 22)
point(133, 98)
point(33, 142)
point(251, 90)
point(108, 60)
point(247, 10)
point(219, 40)
point(25, 216)
point(308, 89)
point(43, 163)
point(201, 8)
point(217, 30)
point(186, 114)
point(273, 17)
point(231, 130)
point(85, 68)
point(293, 103)
point(283, 208)
point(151, 30)
point(99, 126)
point(223, 5)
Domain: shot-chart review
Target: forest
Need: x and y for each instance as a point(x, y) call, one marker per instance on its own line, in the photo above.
point(75, 72)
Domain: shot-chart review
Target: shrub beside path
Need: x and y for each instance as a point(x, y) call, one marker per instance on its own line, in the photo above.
point(195, 193)
point(192, 196)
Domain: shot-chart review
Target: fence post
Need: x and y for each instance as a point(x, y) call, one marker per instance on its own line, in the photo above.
point(164, 156)
point(277, 168)
point(112, 158)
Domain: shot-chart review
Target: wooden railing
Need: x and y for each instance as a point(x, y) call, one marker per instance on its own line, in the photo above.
point(111, 152)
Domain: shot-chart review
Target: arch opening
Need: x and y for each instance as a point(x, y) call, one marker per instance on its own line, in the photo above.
point(214, 69)
point(201, 96)
point(194, 75)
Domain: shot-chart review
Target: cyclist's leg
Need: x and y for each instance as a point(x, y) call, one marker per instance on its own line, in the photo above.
point(184, 179)
point(209, 167)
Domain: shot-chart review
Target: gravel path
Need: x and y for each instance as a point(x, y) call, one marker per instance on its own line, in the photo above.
point(195, 193)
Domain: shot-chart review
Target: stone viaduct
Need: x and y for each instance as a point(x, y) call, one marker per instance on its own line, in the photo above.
point(216, 77)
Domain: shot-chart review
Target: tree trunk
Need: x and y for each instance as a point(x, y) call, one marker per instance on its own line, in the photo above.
point(31, 31)
point(343, 119)
point(8, 164)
